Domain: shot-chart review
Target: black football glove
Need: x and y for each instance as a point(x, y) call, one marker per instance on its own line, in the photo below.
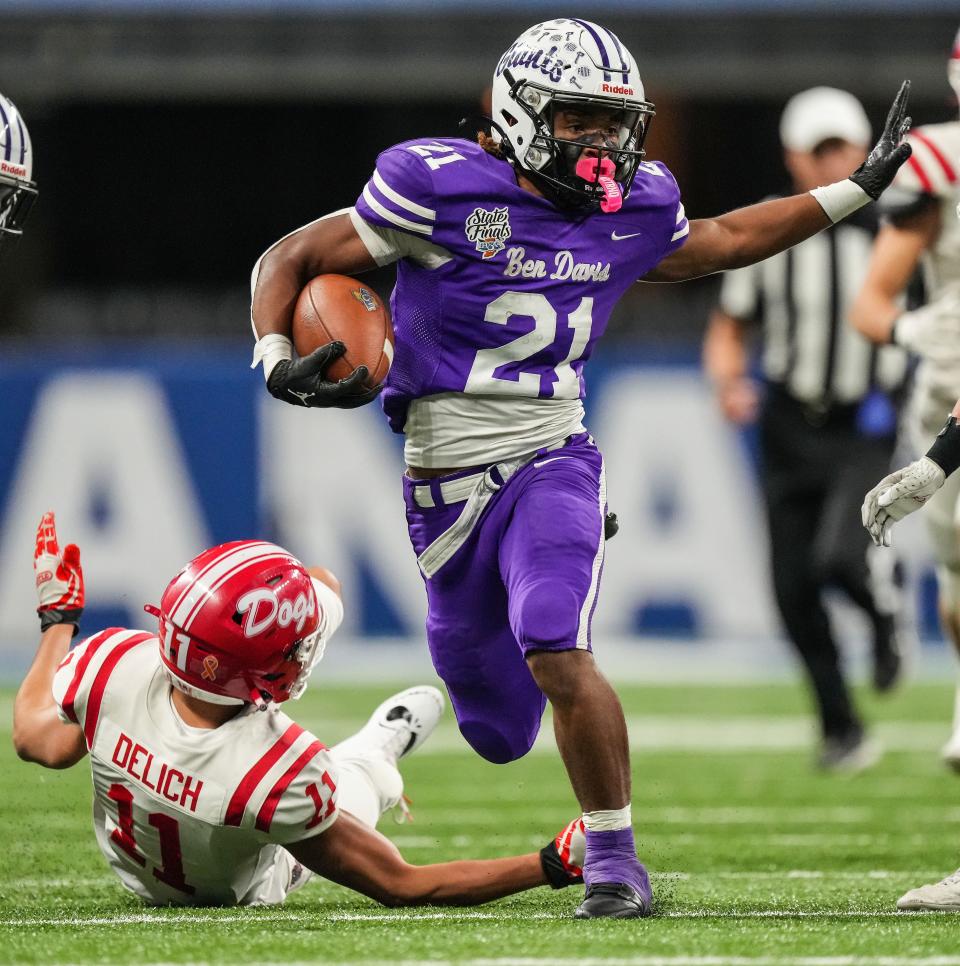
point(303, 382)
point(883, 162)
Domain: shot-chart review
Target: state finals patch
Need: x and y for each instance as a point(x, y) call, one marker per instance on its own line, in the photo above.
point(488, 230)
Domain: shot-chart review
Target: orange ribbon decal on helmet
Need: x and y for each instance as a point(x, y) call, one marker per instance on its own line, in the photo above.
point(210, 665)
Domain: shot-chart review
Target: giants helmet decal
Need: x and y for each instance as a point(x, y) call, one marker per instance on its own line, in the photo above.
point(17, 189)
point(240, 623)
point(568, 64)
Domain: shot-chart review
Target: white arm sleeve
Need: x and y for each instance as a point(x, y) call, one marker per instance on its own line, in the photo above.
point(331, 608)
point(387, 245)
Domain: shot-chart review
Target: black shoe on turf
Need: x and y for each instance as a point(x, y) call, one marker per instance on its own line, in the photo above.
point(612, 900)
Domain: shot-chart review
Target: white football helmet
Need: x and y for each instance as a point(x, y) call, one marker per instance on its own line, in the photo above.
point(568, 63)
point(17, 189)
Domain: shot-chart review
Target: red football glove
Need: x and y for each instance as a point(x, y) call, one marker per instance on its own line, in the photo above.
point(59, 577)
point(562, 859)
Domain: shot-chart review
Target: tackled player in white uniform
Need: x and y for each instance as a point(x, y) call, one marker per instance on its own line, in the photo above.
point(205, 791)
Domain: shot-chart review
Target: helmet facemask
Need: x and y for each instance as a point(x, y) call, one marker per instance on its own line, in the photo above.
point(16, 200)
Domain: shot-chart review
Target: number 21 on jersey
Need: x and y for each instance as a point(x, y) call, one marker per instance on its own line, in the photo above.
point(566, 384)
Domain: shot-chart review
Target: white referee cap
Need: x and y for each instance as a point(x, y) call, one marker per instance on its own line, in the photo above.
point(821, 113)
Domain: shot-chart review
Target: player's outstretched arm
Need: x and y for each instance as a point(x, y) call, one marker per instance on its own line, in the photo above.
point(328, 245)
point(754, 233)
point(360, 858)
point(38, 733)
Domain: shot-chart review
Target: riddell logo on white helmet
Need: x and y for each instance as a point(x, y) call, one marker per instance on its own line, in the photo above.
point(616, 89)
point(17, 170)
point(261, 610)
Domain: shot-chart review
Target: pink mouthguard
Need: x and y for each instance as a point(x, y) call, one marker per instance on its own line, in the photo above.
point(587, 169)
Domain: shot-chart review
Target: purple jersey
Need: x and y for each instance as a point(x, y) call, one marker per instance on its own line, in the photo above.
point(523, 290)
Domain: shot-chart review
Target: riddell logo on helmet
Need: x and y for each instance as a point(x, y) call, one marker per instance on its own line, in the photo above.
point(262, 610)
point(616, 89)
point(17, 170)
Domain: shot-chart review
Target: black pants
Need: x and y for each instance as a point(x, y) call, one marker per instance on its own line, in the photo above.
point(815, 474)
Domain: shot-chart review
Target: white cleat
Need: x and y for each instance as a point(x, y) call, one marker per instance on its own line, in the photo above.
point(951, 751)
point(400, 725)
point(943, 896)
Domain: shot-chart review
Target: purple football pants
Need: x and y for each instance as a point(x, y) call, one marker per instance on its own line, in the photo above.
point(525, 579)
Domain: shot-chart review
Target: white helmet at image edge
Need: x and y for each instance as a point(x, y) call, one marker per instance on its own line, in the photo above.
point(17, 188)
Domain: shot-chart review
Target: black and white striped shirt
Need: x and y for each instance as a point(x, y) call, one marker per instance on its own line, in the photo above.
point(802, 297)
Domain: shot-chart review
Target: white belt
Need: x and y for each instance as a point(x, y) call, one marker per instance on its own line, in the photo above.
point(476, 490)
point(451, 491)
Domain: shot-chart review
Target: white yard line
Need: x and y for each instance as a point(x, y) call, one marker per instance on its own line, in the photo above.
point(719, 734)
point(820, 875)
point(266, 917)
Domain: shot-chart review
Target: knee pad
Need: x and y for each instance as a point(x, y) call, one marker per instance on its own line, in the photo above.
point(497, 742)
point(500, 722)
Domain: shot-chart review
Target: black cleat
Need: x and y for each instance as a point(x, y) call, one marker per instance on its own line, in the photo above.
point(612, 900)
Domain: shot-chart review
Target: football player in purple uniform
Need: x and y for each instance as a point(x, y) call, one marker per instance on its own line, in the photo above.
point(511, 253)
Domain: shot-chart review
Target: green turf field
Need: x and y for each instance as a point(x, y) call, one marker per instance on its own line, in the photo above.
point(755, 858)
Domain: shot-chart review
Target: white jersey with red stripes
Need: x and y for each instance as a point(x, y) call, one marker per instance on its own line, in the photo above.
point(934, 170)
point(187, 815)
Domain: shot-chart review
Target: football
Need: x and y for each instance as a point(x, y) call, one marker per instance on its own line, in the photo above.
point(337, 308)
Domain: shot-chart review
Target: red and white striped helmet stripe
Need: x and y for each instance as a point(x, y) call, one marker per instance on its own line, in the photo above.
point(215, 574)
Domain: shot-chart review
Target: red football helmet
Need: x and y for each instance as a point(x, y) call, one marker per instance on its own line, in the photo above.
point(240, 623)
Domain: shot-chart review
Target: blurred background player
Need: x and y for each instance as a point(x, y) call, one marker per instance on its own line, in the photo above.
point(511, 253)
point(17, 189)
point(921, 228)
point(827, 421)
point(205, 792)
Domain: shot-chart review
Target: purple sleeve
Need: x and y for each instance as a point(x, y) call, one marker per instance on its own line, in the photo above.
point(399, 195)
point(680, 226)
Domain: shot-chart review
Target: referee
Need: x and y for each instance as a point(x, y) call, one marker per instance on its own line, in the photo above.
point(827, 425)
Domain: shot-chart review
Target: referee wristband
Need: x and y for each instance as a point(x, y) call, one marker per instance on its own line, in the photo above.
point(945, 451)
point(841, 199)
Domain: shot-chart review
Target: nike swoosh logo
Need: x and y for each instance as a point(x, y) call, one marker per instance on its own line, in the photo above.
point(617, 237)
point(552, 459)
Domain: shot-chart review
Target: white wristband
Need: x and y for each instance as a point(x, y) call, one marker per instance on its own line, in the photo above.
point(840, 199)
point(270, 350)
